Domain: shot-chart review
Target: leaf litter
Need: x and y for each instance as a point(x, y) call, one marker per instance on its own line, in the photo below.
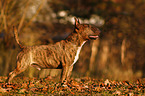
point(75, 86)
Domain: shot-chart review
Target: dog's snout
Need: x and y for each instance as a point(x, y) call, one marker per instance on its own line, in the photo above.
point(98, 31)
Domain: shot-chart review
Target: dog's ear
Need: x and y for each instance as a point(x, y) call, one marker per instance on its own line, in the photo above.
point(77, 24)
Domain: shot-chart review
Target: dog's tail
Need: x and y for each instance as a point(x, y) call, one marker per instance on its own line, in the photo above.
point(16, 37)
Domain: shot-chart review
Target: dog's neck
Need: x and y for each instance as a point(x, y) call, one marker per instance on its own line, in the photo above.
point(76, 39)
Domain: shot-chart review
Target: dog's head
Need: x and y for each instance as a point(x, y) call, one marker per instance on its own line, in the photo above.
point(88, 32)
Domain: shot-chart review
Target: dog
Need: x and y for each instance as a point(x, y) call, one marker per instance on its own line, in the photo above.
point(61, 55)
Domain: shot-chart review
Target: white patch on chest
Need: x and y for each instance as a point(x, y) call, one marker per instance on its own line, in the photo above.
point(77, 54)
point(31, 60)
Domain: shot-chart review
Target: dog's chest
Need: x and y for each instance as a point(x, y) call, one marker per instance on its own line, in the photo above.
point(77, 53)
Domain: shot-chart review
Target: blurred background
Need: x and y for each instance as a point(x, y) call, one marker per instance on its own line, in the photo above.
point(118, 54)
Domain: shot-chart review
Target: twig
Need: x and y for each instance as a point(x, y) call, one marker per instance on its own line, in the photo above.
point(23, 17)
point(3, 16)
point(35, 14)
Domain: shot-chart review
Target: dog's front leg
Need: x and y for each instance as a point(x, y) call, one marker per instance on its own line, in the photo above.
point(69, 72)
point(64, 72)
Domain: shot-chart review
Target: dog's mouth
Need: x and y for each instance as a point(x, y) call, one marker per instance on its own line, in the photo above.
point(93, 37)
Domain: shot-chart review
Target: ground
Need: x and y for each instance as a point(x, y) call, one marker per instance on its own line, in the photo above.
point(75, 86)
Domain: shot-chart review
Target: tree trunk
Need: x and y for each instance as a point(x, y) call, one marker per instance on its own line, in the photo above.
point(94, 52)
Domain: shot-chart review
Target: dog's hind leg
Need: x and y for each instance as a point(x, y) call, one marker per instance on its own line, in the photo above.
point(20, 68)
point(11, 76)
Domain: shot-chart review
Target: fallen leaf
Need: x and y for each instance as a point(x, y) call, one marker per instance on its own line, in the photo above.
point(117, 92)
point(3, 90)
point(22, 90)
point(107, 82)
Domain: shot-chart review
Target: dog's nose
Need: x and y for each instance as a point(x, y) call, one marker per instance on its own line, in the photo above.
point(98, 31)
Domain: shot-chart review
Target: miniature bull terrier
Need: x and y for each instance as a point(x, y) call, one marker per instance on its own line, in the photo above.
point(61, 55)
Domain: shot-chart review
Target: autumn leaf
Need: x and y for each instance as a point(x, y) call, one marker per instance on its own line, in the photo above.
point(81, 86)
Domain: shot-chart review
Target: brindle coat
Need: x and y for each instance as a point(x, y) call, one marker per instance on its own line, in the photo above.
point(63, 54)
